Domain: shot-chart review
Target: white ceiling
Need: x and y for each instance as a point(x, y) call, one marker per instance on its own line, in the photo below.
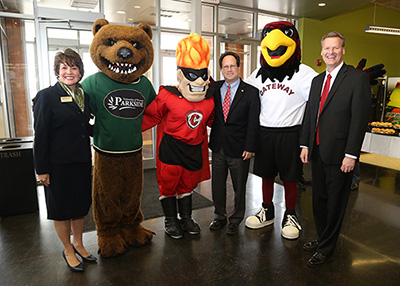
point(146, 12)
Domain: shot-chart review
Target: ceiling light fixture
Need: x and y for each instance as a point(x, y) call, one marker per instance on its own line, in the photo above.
point(121, 12)
point(322, 4)
point(382, 30)
point(137, 7)
point(378, 29)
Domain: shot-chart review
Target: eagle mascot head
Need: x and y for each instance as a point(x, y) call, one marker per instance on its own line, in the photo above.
point(280, 51)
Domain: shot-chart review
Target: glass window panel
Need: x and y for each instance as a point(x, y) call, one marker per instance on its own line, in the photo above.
point(169, 70)
point(132, 12)
point(62, 34)
point(210, 41)
point(207, 22)
point(19, 82)
point(77, 5)
point(169, 41)
point(265, 19)
point(85, 37)
point(29, 31)
point(19, 6)
point(175, 14)
point(235, 22)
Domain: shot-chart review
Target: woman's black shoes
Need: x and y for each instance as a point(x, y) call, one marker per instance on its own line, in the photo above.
point(90, 258)
point(78, 268)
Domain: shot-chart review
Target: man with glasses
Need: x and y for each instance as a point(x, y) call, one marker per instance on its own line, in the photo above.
point(233, 139)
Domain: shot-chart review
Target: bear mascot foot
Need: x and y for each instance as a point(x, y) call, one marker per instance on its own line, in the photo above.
point(137, 235)
point(111, 246)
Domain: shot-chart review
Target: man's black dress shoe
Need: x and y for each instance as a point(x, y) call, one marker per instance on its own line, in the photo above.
point(78, 268)
point(316, 260)
point(90, 258)
point(217, 224)
point(232, 228)
point(311, 245)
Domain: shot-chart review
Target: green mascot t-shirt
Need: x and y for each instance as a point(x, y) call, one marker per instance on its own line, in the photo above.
point(118, 109)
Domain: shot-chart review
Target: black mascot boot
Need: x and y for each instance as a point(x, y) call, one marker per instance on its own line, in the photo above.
point(171, 223)
point(185, 212)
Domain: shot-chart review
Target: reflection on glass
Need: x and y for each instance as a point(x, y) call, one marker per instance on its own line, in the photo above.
point(265, 19)
point(138, 11)
point(18, 60)
point(77, 5)
point(17, 6)
point(235, 22)
point(175, 14)
point(207, 19)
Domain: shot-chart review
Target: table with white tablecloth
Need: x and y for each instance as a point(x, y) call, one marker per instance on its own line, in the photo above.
point(385, 145)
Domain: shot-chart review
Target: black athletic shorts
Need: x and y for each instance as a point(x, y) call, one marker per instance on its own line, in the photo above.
point(278, 152)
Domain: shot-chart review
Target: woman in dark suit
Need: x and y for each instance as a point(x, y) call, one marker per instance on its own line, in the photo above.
point(62, 154)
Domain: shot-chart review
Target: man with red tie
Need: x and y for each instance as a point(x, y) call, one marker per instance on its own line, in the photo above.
point(333, 131)
point(233, 139)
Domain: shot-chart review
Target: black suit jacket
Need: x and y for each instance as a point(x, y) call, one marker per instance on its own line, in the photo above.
point(61, 129)
point(239, 132)
point(344, 116)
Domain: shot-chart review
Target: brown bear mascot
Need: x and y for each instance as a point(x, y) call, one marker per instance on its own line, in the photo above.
point(119, 94)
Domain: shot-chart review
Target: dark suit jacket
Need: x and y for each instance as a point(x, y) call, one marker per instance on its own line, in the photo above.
point(61, 129)
point(239, 132)
point(344, 116)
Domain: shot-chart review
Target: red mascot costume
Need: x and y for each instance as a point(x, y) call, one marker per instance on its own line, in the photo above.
point(182, 115)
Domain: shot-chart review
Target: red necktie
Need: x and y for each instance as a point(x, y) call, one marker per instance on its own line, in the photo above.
point(324, 95)
point(226, 103)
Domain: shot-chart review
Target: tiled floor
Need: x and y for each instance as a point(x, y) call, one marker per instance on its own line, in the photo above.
point(367, 253)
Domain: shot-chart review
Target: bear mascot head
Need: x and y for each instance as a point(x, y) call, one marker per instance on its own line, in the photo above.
point(119, 94)
point(123, 53)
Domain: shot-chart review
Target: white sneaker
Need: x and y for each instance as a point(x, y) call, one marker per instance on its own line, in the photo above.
point(262, 218)
point(291, 228)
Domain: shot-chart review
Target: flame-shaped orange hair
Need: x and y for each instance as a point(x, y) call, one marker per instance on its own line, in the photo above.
point(193, 52)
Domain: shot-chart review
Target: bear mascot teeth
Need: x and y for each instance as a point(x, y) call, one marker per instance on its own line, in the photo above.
point(182, 114)
point(119, 94)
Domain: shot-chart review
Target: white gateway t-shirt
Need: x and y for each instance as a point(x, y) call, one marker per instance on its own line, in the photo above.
point(283, 103)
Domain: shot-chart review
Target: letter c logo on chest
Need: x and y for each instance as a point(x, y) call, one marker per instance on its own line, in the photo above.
point(193, 119)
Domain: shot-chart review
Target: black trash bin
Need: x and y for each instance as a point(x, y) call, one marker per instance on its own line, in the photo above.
point(18, 193)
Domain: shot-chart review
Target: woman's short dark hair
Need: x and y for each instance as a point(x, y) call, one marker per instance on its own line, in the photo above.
point(235, 55)
point(70, 58)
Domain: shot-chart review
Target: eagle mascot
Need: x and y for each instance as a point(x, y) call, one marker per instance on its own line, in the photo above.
point(284, 85)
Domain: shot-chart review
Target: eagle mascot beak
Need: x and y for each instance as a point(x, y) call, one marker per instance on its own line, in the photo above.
point(277, 47)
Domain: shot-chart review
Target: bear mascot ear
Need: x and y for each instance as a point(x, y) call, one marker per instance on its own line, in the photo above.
point(147, 29)
point(98, 25)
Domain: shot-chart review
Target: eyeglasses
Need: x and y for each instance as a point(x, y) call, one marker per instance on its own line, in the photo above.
point(229, 67)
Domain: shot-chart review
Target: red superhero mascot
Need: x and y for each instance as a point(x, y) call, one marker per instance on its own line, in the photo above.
point(182, 114)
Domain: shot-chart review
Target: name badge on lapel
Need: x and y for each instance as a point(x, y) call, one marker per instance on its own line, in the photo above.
point(66, 99)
